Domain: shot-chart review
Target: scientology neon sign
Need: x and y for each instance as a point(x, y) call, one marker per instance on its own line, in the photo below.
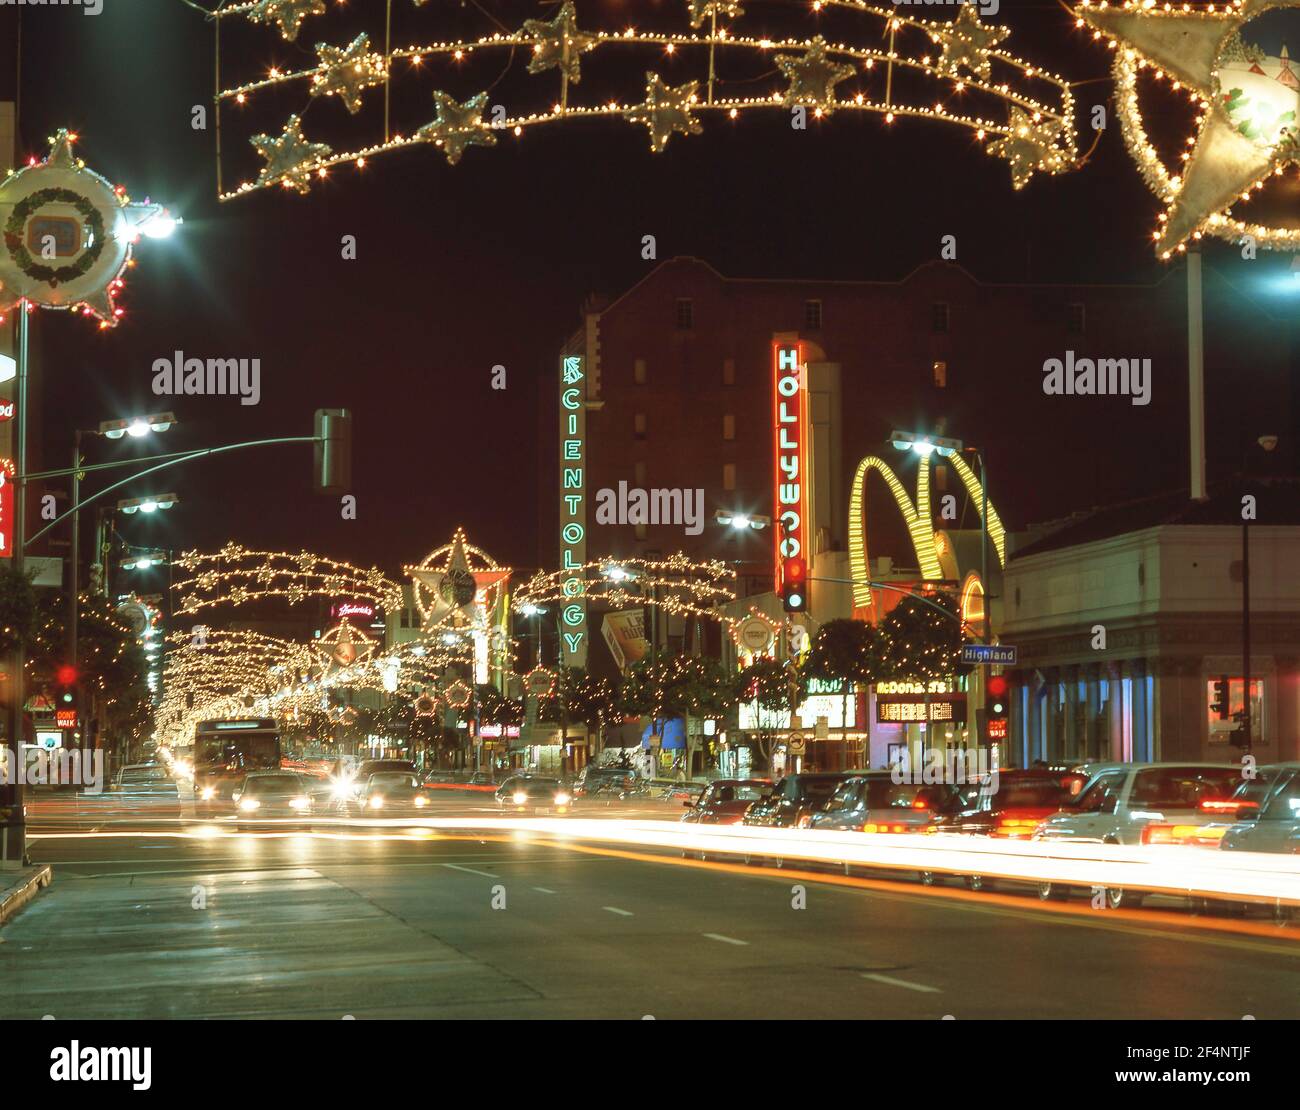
point(573, 509)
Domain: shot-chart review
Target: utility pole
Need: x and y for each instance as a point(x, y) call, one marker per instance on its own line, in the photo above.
point(13, 836)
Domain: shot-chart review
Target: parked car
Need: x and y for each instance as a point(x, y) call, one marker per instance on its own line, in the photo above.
point(724, 801)
point(875, 803)
point(534, 793)
point(1122, 799)
point(1272, 824)
point(793, 797)
point(393, 793)
point(1021, 801)
point(271, 795)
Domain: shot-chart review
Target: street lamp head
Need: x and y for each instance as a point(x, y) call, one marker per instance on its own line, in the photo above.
point(1268, 442)
point(147, 504)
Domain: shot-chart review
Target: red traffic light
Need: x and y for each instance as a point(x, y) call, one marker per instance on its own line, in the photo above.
point(997, 686)
point(66, 675)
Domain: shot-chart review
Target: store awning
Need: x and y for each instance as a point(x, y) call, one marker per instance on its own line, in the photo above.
point(673, 731)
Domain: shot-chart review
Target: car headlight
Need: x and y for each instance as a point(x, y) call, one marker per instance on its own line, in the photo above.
point(376, 801)
point(520, 798)
point(249, 804)
point(421, 801)
point(299, 803)
point(341, 788)
point(208, 793)
point(562, 799)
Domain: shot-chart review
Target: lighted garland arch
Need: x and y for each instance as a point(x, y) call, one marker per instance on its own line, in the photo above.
point(1035, 133)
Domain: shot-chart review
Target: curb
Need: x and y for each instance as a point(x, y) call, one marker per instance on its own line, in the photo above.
point(16, 897)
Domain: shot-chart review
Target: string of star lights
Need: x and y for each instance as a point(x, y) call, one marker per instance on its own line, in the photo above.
point(236, 575)
point(1240, 143)
point(677, 585)
point(1025, 115)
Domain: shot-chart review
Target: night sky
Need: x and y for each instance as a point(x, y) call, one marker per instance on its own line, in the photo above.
point(461, 268)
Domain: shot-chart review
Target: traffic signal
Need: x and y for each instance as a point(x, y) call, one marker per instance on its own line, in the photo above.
point(66, 676)
point(794, 587)
point(333, 451)
point(1219, 706)
point(997, 702)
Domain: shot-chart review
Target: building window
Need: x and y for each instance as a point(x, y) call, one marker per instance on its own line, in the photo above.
point(729, 426)
point(638, 425)
point(940, 370)
point(812, 315)
point(729, 476)
point(685, 314)
point(939, 316)
point(728, 371)
point(638, 371)
point(1225, 716)
point(1076, 319)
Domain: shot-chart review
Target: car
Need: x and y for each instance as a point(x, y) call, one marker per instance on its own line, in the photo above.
point(1012, 809)
point(347, 783)
point(1121, 799)
point(534, 793)
point(876, 803)
point(269, 795)
point(794, 796)
point(724, 801)
point(1272, 823)
point(395, 792)
point(149, 785)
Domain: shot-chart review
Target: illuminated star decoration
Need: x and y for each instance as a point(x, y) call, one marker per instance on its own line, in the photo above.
point(813, 77)
point(558, 43)
point(967, 43)
point(1224, 164)
point(348, 71)
point(344, 646)
point(704, 9)
point(1031, 146)
point(289, 157)
point(666, 110)
point(458, 125)
point(449, 594)
point(289, 14)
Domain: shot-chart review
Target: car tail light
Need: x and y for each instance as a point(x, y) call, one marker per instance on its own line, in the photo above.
point(880, 827)
point(805, 822)
point(1226, 805)
point(1204, 835)
point(1020, 827)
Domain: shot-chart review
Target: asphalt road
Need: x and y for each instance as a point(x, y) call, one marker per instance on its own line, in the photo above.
point(152, 926)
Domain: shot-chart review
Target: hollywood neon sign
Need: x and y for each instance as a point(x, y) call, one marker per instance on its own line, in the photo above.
point(790, 487)
point(573, 509)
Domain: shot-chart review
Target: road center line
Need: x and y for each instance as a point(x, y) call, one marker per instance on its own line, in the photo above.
point(543, 890)
point(726, 940)
point(890, 981)
point(615, 909)
point(471, 871)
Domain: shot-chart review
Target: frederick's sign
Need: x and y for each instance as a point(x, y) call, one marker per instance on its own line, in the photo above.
point(790, 487)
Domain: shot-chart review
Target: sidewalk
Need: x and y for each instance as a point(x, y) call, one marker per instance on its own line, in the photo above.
point(19, 887)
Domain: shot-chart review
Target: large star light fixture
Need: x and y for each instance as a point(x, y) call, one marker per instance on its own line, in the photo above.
point(1248, 125)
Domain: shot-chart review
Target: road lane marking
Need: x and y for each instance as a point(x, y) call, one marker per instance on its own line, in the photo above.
point(615, 909)
point(543, 890)
point(471, 871)
point(890, 981)
point(726, 940)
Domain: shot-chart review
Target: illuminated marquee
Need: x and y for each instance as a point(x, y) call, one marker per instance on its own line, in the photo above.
point(573, 509)
point(790, 485)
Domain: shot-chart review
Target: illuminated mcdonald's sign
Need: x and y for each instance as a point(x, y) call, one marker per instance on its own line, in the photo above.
point(790, 450)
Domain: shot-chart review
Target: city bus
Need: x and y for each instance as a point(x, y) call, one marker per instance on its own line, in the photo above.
point(225, 751)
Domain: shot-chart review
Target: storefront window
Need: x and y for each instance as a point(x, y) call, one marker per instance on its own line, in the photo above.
point(1225, 719)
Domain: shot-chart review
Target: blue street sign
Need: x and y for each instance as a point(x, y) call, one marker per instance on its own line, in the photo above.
point(1004, 654)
